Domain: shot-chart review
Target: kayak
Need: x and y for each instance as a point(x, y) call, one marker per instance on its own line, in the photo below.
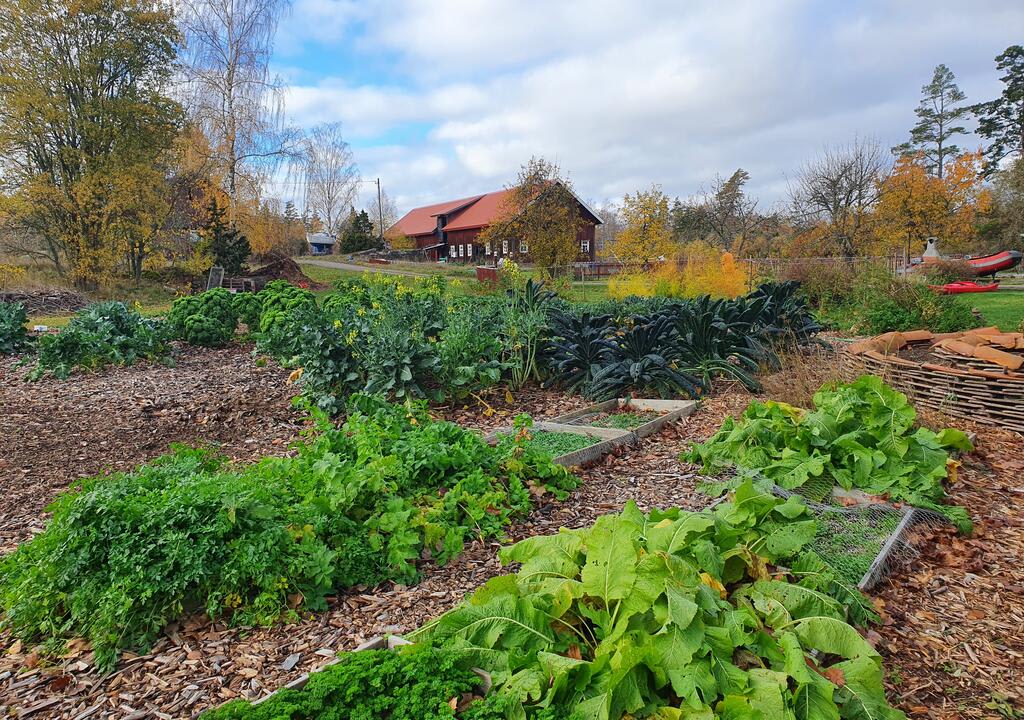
point(964, 286)
point(991, 264)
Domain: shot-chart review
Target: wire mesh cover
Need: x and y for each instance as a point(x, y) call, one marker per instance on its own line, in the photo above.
point(862, 539)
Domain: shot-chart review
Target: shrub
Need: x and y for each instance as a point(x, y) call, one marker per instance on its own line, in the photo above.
point(102, 333)
point(897, 304)
point(208, 319)
point(827, 282)
point(947, 271)
point(700, 269)
point(125, 554)
point(13, 334)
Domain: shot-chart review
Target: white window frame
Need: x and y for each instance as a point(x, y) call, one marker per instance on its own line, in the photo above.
point(504, 247)
point(487, 249)
point(469, 250)
point(453, 251)
point(585, 246)
point(523, 247)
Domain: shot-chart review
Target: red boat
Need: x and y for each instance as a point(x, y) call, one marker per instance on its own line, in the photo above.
point(963, 286)
point(991, 264)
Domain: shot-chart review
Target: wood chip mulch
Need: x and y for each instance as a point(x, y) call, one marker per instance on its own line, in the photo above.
point(953, 630)
point(53, 432)
point(953, 619)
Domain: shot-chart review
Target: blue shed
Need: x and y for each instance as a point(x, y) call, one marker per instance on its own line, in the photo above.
point(320, 243)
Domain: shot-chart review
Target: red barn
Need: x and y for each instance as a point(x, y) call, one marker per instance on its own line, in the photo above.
point(450, 229)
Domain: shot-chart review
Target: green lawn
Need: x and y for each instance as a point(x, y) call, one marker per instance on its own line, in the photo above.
point(328, 275)
point(1004, 308)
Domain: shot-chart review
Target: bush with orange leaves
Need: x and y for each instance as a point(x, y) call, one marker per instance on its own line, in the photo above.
point(699, 269)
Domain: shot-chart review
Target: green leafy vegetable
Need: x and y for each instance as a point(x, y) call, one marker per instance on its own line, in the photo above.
point(360, 504)
point(669, 615)
point(416, 683)
point(859, 435)
point(101, 334)
point(13, 335)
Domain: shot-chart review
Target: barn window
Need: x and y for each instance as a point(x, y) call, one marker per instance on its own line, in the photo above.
point(585, 246)
point(452, 251)
point(504, 247)
point(487, 249)
point(462, 251)
point(469, 250)
point(523, 246)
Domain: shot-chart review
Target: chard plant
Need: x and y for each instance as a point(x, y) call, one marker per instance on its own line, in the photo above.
point(669, 615)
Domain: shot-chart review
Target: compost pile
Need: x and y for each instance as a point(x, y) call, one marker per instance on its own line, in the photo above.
point(284, 268)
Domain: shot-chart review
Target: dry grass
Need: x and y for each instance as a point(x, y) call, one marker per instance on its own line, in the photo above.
point(803, 373)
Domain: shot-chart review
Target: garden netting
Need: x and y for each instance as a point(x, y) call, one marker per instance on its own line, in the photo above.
point(861, 539)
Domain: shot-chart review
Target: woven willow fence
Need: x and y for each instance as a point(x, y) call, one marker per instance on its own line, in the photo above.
point(982, 380)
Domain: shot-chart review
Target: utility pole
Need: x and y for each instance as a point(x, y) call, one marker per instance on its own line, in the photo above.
point(380, 214)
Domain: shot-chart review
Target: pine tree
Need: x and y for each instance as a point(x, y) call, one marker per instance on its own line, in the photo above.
point(290, 213)
point(229, 247)
point(1001, 121)
point(938, 114)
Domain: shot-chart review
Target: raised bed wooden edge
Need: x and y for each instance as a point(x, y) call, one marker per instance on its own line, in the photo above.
point(673, 410)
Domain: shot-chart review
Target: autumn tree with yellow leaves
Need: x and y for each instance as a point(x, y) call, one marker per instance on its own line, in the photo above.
point(81, 130)
point(541, 211)
point(647, 235)
point(915, 204)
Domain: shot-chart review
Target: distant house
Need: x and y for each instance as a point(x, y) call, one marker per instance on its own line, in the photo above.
point(450, 230)
point(320, 243)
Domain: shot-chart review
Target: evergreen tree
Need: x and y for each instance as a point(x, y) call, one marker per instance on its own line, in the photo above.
point(290, 213)
point(229, 247)
point(1004, 227)
point(1001, 121)
point(358, 233)
point(938, 116)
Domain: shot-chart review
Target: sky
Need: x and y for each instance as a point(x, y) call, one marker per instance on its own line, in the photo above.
point(443, 99)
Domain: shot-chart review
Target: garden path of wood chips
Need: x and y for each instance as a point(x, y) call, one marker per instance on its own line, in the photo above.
point(54, 432)
point(952, 637)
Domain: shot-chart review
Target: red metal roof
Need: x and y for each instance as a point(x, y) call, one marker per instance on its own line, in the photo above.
point(465, 214)
point(481, 213)
point(423, 220)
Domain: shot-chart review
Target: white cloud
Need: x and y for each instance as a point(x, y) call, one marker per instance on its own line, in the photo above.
point(624, 94)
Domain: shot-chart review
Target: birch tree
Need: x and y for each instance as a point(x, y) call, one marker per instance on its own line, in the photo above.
point(231, 94)
point(330, 176)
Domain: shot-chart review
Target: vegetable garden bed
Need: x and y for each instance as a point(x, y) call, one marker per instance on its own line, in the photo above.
point(551, 436)
point(648, 415)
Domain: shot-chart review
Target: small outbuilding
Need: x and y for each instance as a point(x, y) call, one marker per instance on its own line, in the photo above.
point(320, 243)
